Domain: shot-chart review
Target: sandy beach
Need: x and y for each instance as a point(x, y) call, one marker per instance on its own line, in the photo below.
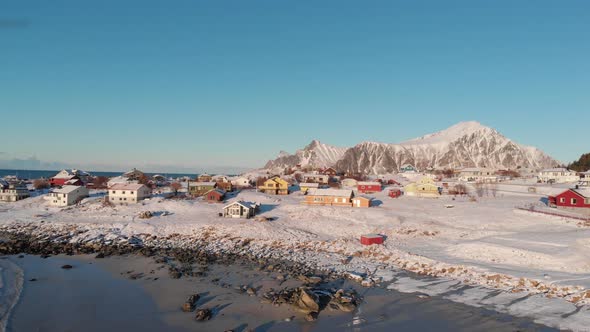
point(126, 293)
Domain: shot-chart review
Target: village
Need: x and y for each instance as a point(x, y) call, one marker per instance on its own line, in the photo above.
point(566, 190)
point(520, 233)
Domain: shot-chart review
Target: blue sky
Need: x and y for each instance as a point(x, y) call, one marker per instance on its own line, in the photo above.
point(201, 83)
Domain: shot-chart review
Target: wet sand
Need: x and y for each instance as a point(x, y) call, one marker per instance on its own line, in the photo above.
point(133, 293)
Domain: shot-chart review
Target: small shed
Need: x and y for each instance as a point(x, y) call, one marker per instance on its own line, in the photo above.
point(394, 193)
point(370, 239)
point(362, 201)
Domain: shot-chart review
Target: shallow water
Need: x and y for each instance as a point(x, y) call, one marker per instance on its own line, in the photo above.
point(97, 295)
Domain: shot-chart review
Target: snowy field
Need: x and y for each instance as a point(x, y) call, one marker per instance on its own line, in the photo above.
point(484, 253)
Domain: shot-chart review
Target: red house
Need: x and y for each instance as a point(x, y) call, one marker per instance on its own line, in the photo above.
point(572, 199)
point(329, 171)
point(368, 187)
point(215, 195)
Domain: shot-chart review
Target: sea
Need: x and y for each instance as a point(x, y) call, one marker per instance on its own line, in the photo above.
point(26, 174)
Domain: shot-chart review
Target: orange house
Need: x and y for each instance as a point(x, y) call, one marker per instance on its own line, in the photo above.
point(329, 197)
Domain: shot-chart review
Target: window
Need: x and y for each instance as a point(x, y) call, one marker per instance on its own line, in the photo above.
point(113, 191)
point(120, 198)
point(123, 192)
point(562, 200)
point(574, 201)
point(125, 198)
point(131, 192)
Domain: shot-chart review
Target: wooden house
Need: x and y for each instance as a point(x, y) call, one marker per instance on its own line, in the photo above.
point(200, 188)
point(227, 186)
point(214, 195)
point(425, 187)
point(558, 175)
point(319, 178)
point(368, 187)
point(577, 200)
point(241, 182)
point(304, 186)
point(239, 209)
point(71, 175)
point(329, 171)
point(362, 201)
point(204, 178)
point(329, 197)
point(275, 186)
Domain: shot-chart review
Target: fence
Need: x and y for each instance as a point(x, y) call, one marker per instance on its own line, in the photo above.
point(532, 209)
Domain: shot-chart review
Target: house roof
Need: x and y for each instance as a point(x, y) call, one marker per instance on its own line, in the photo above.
point(558, 169)
point(126, 186)
point(364, 197)
point(66, 189)
point(368, 183)
point(585, 192)
point(330, 192)
point(306, 184)
point(208, 184)
point(247, 205)
point(219, 191)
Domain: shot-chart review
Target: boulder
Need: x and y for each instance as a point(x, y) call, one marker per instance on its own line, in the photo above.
point(203, 315)
point(66, 267)
point(307, 300)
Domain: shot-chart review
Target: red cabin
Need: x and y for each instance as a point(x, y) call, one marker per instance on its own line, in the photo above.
point(572, 199)
point(61, 181)
point(370, 239)
point(368, 187)
point(395, 193)
point(215, 195)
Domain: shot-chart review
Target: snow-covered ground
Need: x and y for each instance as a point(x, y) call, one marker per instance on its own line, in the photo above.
point(487, 245)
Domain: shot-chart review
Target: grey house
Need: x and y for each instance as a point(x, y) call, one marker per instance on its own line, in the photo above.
point(239, 209)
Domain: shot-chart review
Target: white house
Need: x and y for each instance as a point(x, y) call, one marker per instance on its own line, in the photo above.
point(241, 182)
point(12, 192)
point(558, 175)
point(349, 183)
point(477, 174)
point(319, 178)
point(67, 195)
point(584, 179)
point(128, 193)
point(239, 209)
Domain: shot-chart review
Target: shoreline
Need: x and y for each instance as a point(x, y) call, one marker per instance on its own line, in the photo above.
point(46, 245)
point(144, 292)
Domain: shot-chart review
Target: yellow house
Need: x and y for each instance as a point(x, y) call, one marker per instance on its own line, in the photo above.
point(425, 187)
point(275, 186)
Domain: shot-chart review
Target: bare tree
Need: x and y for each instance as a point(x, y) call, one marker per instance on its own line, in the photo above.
point(494, 189)
point(175, 186)
point(41, 184)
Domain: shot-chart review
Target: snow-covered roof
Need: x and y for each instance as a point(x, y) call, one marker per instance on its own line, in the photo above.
point(305, 184)
point(368, 183)
point(66, 189)
point(3, 184)
point(558, 169)
point(208, 184)
point(247, 205)
point(583, 191)
point(126, 186)
point(330, 192)
point(220, 191)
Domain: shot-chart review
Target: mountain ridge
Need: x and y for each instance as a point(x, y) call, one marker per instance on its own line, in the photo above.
point(465, 144)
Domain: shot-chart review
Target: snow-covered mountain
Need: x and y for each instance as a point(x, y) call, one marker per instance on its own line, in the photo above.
point(316, 154)
point(466, 144)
